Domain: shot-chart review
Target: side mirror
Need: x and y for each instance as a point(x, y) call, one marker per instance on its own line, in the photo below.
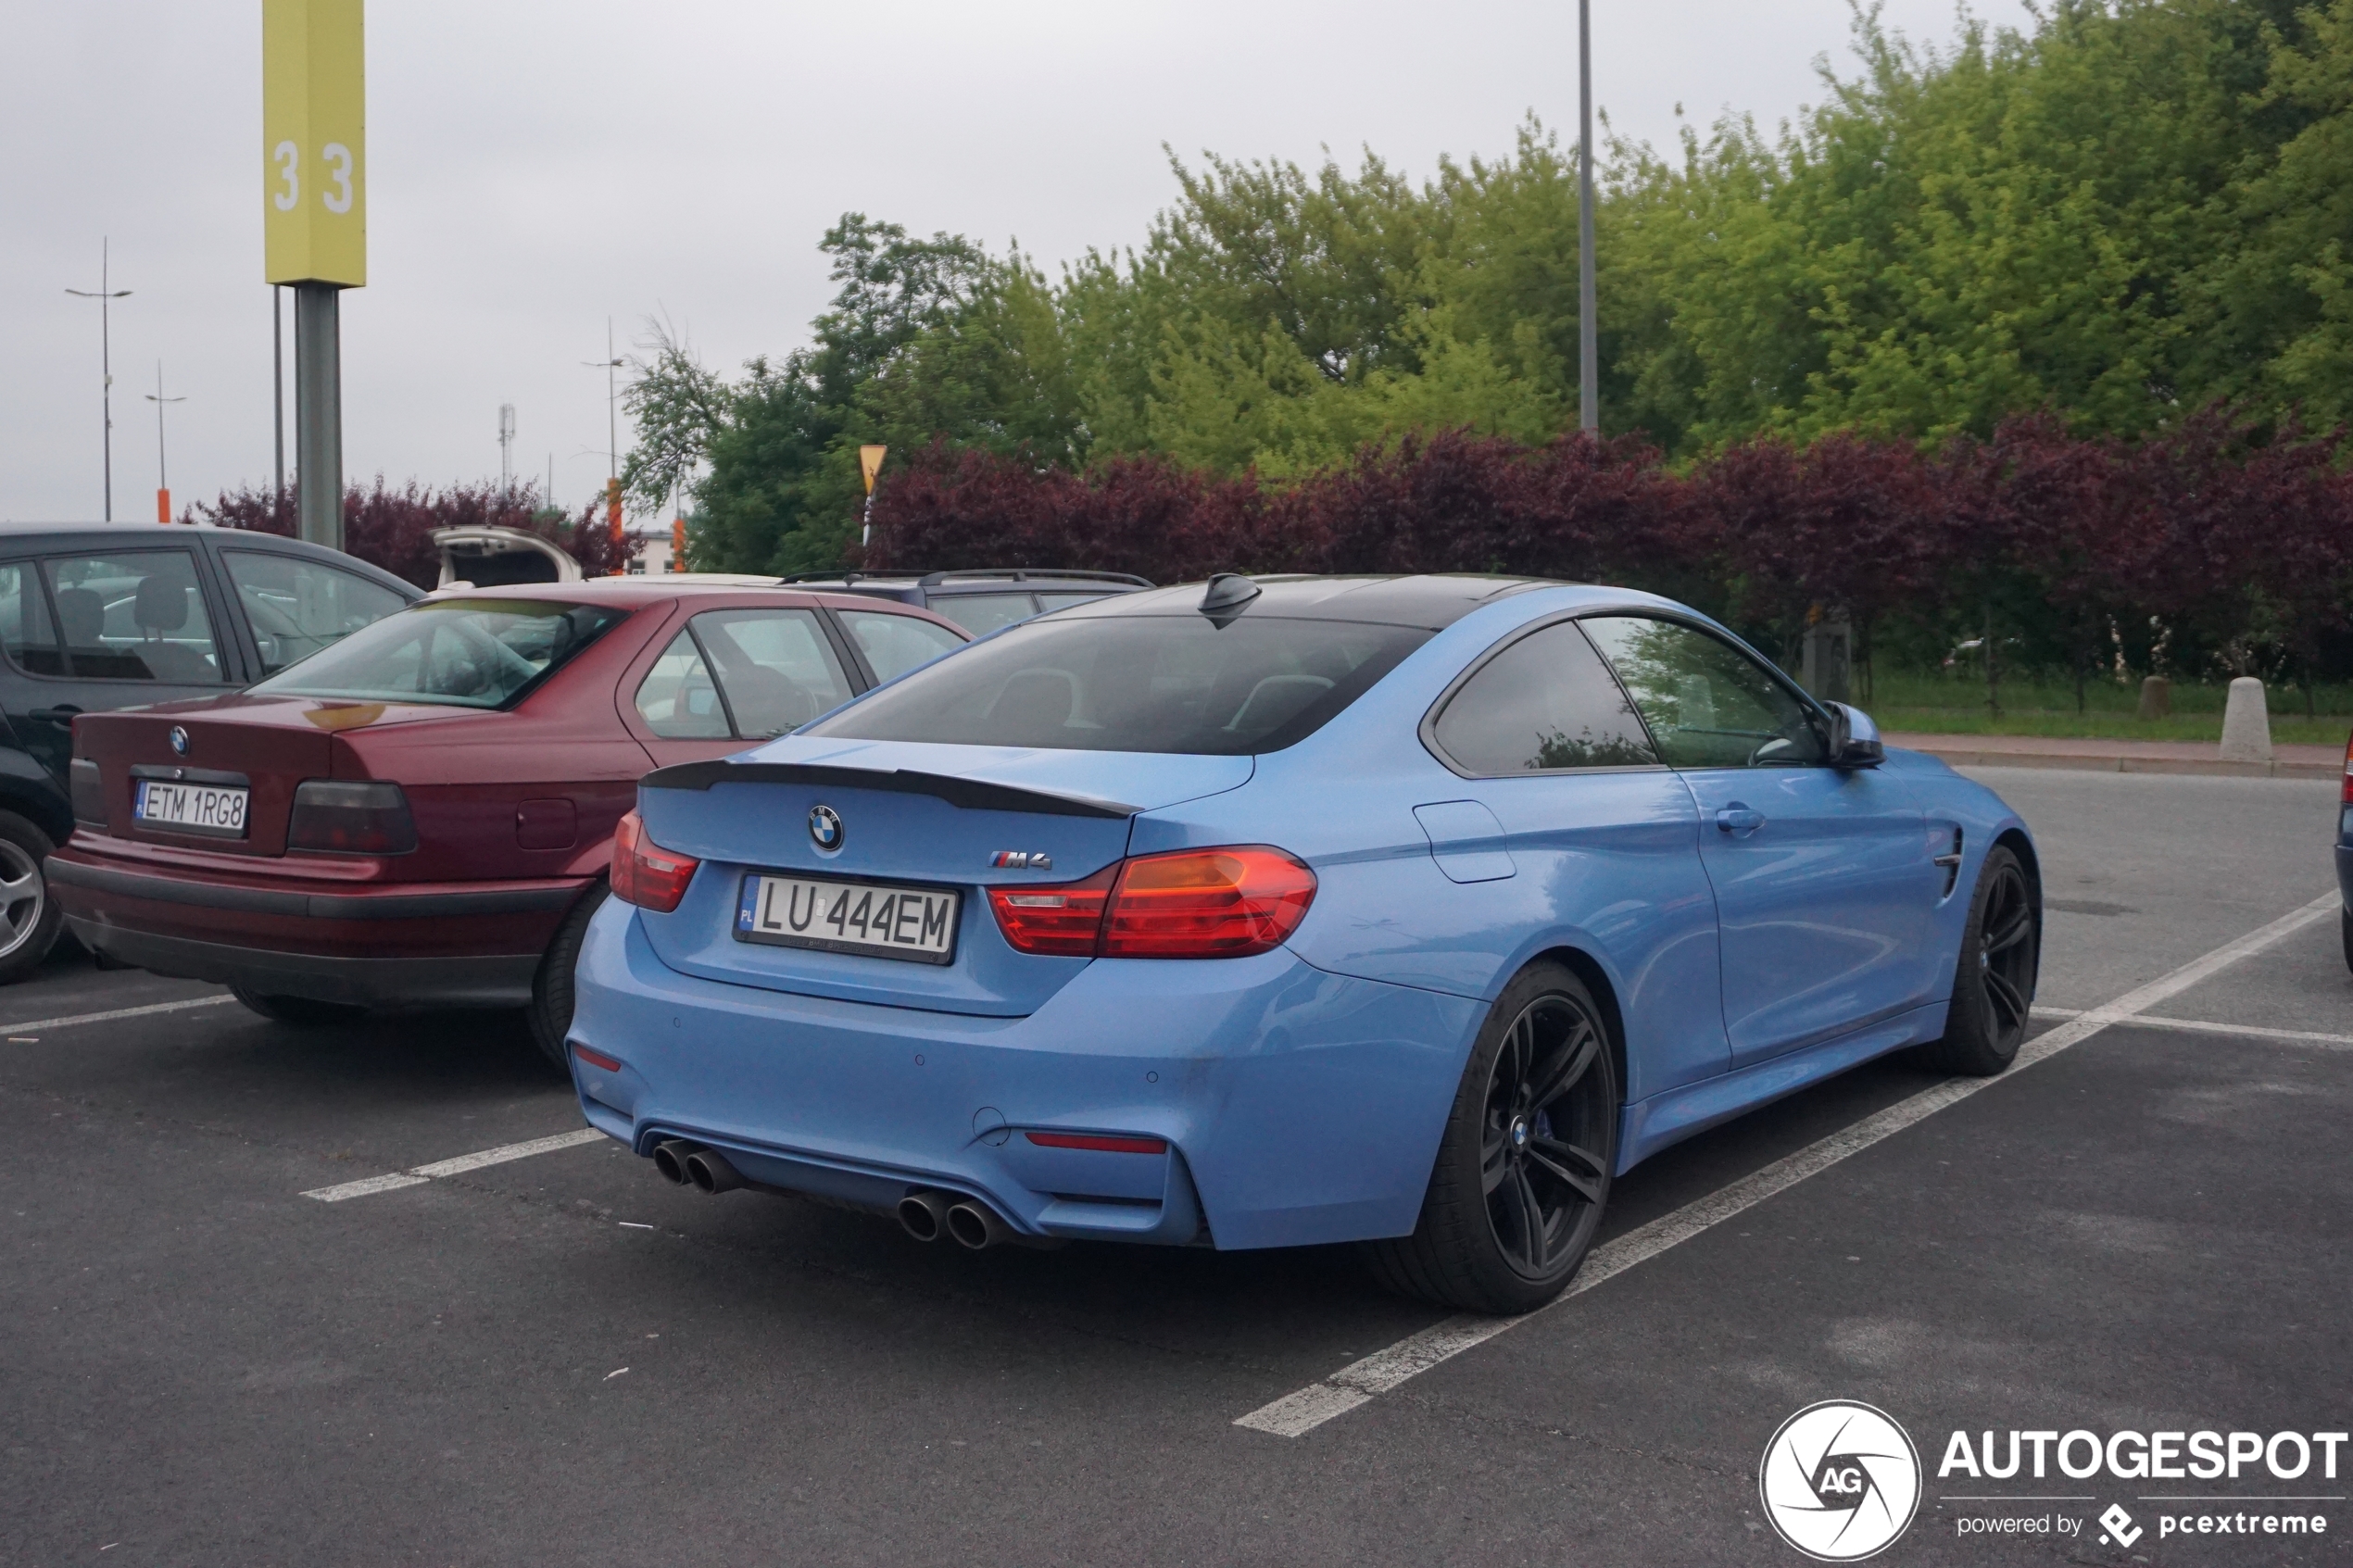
point(1855, 741)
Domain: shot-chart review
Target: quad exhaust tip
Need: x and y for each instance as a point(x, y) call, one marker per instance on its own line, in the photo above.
point(924, 1215)
point(976, 1226)
point(687, 1164)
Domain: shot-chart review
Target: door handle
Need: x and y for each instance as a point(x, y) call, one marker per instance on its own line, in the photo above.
point(1737, 818)
point(61, 714)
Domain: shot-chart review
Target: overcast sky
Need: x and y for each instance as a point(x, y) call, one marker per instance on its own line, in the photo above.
point(533, 169)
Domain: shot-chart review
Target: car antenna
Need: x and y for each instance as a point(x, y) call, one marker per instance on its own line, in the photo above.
point(1226, 593)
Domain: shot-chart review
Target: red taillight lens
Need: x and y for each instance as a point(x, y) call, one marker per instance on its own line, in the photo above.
point(1065, 922)
point(646, 874)
point(2347, 795)
point(1098, 1142)
point(1187, 904)
point(1206, 904)
point(596, 1059)
point(350, 817)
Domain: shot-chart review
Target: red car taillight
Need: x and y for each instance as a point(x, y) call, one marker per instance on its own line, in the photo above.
point(1187, 904)
point(2347, 795)
point(354, 816)
point(646, 874)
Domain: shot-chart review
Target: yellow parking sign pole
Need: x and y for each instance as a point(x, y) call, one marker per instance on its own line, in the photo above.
point(315, 221)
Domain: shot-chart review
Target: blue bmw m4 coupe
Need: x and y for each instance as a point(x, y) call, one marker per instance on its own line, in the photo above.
point(1409, 912)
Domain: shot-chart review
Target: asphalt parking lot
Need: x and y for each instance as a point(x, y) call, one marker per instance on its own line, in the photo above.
point(557, 1359)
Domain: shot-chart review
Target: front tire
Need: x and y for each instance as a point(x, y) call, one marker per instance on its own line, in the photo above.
point(28, 917)
point(1523, 1171)
point(551, 996)
point(1994, 989)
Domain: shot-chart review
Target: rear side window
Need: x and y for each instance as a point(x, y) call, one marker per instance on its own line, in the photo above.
point(895, 643)
point(1161, 683)
point(298, 607)
point(983, 613)
point(460, 653)
point(25, 629)
point(135, 616)
point(1709, 704)
point(775, 667)
point(678, 699)
point(1545, 702)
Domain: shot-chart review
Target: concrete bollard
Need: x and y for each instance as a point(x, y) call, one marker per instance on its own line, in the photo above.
point(2246, 723)
point(2156, 698)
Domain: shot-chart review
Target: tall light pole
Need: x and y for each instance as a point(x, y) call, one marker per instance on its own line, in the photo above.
point(1589, 353)
point(104, 296)
point(507, 449)
point(278, 397)
point(611, 363)
point(163, 474)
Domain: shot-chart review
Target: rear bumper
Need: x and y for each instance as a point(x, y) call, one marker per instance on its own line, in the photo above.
point(383, 984)
point(384, 944)
point(1298, 1107)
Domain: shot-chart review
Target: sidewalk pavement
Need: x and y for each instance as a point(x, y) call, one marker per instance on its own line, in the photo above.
point(2121, 756)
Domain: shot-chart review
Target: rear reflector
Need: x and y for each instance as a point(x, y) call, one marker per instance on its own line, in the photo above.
point(1101, 1143)
point(1186, 904)
point(646, 874)
point(595, 1059)
point(350, 817)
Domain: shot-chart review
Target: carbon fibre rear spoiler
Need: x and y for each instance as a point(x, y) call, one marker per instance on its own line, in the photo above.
point(965, 795)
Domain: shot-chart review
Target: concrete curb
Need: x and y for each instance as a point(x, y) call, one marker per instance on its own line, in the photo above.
point(2110, 762)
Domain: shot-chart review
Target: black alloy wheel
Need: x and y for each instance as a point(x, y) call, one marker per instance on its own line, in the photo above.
point(1543, 1182)
point(1523, 1172)
point(1994, 986)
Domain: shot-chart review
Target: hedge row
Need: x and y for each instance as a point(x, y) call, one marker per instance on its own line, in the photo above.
point(2218, 545)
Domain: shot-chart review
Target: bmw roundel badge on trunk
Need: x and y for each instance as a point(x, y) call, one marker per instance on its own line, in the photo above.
point(824, 827)
point(178, 738)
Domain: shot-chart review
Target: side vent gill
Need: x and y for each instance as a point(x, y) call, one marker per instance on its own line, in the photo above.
point(1951, 861)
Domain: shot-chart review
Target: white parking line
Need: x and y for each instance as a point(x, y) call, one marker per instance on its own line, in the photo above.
point(464, 1162)
point(2199, 1026)
point(117, 1012)
point(1359, 1382)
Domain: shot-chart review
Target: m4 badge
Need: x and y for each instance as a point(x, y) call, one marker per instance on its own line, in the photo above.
point(1021, 860)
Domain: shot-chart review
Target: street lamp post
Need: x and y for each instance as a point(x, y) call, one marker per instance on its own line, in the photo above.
point(611, 363)
point(104, 296)
point(1589, 357)
point(163, 474)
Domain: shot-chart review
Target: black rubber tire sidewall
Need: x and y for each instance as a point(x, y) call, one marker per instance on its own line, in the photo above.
point(1451, 1257)
point(1969, 1046)
point(551, 989)
point(27, 835)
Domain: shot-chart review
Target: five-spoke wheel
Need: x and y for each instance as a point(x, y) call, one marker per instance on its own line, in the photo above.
point(1524, 1169)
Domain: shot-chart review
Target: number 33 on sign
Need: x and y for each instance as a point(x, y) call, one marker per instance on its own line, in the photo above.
point(314, 121)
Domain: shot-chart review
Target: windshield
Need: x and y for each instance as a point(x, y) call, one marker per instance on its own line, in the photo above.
point(462, 653)
point(1163, 682)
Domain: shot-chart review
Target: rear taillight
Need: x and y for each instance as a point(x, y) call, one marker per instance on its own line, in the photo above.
point(646, 874)
point(340, 816)
point(2347, 795)
point(1187, 904)
point(89, 793)
point(1066, 921)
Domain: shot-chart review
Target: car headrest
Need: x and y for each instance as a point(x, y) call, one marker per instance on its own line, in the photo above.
point(81, 615)
point(161, 605)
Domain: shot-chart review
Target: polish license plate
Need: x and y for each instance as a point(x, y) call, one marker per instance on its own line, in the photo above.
point(196, 807)
point(870, 918)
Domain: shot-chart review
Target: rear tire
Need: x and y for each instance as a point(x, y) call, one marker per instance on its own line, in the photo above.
point(551, 996)
point(1994, 989)
point(1523, 1171)
point(28, 917)
point(303, 1012)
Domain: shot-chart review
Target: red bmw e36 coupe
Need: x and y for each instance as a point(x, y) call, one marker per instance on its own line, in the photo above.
point(422, 815)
